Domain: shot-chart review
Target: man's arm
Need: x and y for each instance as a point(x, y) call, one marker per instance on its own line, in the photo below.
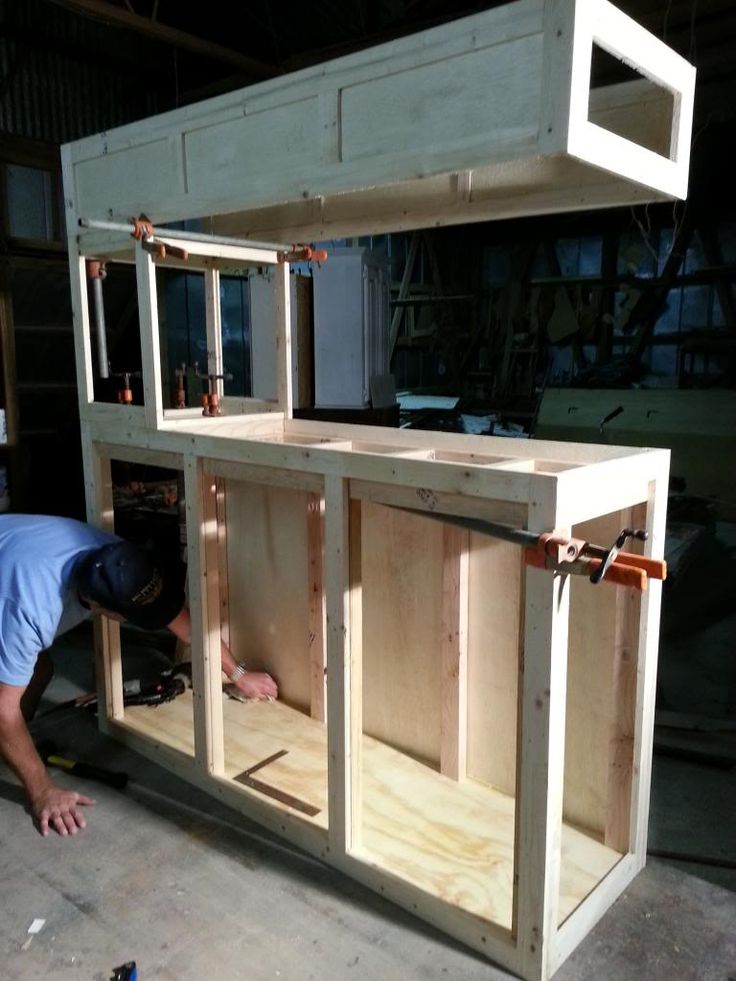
point(253, 684)
point(51, 805)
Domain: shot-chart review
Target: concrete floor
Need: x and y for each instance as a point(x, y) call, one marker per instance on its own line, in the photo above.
point(187, 897)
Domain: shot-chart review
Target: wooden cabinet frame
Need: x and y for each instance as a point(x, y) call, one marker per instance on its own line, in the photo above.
point(467, 736)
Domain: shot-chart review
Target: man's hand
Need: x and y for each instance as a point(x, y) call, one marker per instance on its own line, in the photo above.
point(59, 808)
point(257, 685)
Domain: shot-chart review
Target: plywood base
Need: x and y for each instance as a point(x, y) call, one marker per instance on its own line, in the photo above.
point(454, 841)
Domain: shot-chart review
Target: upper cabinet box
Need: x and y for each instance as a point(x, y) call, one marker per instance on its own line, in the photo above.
point(490, 116)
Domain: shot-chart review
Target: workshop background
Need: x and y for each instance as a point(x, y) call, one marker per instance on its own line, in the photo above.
point(613, 326)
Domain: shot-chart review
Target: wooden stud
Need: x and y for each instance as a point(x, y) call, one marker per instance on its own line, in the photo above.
point(541, 750)
point(150, 347)
point(213, 324)
point(454, 711)
point(368, 173)
point(647, 669)
point(108, 654)
point(344, 666)
point(621, 761)
point(204, 606)
point(222, 560)
point(317, 612)
point(282, 305)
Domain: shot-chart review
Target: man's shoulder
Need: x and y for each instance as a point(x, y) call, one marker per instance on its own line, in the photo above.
point(39, 529)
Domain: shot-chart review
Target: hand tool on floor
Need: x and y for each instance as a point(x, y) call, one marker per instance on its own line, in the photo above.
point(166, 688)
point(48, 752)
point(248, 780)
point(126, 972)
point(567, 555)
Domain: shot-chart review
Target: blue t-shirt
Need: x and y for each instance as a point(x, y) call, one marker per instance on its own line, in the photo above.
point(38, 595)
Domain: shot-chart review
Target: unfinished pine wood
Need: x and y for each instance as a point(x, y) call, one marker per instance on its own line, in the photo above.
point(541, 754)
point(150, 345)
point(494, 644)
point(344, 594)
point(622, 729)
point(409, 606)
point(454, 653)
point(108, 657)
point(647, 668)
point(317, 611)
point(402, 630)
point(268, 578)
point(452, 840)
point(213, 324)
point(601, 682)
point(369, 600)
point(204, 600)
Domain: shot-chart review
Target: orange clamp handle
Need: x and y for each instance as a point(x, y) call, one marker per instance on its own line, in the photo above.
point(621, 574)
point(303, 253)
point(654, 568)
point(618, 574)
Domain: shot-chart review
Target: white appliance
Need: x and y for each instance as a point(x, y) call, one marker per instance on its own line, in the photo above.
point(351, 294)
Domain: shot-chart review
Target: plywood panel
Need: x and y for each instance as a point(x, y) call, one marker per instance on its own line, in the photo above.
point(402, 623)
point(281, 138)
point(454, 840)
point(445, 103)
point(602, 654)
point(494, 623)
point(268, 577)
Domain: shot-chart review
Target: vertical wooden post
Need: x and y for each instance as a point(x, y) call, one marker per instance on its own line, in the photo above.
point(204, 608)
point(541, 749)
point(108, 656)
point(623, 707)
point(344, 666)
point(221, 494)
point(647, 668)
point(282, 295)
point(317, 652)
point(454, 721)
point(213, 321)
point(557, 70)
point(78, 281)
point(150, 346)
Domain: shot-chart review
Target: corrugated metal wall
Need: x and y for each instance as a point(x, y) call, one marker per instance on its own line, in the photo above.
point(60, 78)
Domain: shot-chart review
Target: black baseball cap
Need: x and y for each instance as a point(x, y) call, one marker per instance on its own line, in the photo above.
point(131, 580)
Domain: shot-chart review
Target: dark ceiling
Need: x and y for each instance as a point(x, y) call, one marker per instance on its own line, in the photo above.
point(221, 45)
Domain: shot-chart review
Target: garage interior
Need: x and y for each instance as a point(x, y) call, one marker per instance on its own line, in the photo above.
point(613, 327)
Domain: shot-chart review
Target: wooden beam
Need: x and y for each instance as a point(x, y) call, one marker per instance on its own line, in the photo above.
point(204, 606)
point(541, 751)
point(213, 321)
point(317, 651)
point(114, 16)
point(108, 655)
point(344, 666)
point(454, 645)
point(621, 729)
point(150, 340)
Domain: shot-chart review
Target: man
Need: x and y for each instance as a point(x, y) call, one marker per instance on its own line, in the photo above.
point(55, 573)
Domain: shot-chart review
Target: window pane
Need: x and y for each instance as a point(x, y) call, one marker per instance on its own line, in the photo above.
point(30, 214)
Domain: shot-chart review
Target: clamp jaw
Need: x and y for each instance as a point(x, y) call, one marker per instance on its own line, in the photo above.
point(573, 556)
point(125, 394)
point(211, 398)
